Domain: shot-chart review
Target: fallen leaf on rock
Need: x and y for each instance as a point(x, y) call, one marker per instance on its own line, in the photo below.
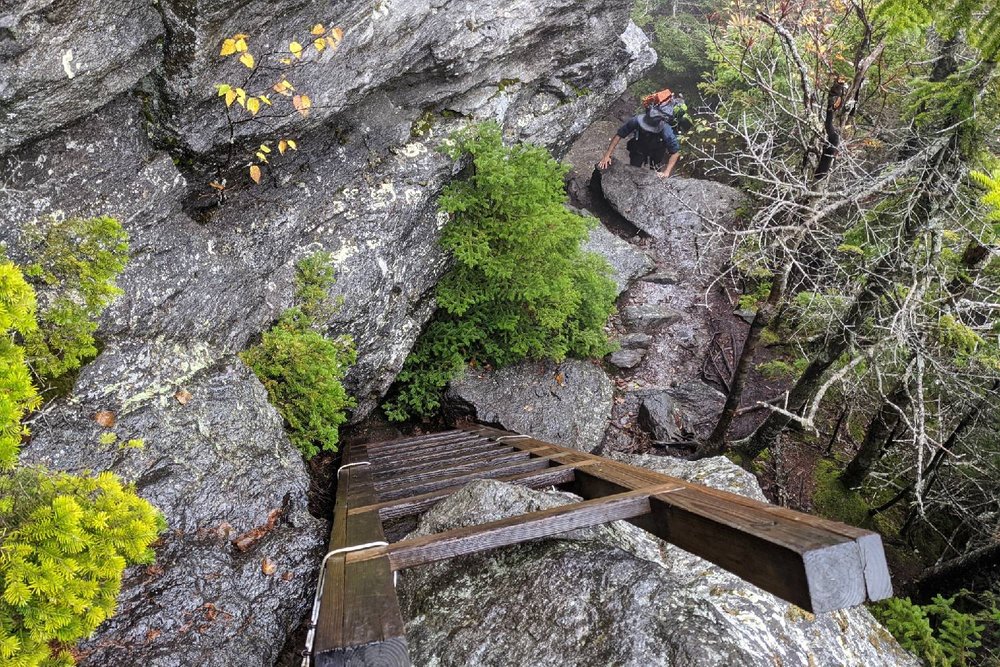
point(268, 566)
point(183, 396)
point(560, 379)
point(105, 418)
point(288, 576)
point(250, 538)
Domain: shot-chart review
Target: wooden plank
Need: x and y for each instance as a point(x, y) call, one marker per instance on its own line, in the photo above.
point(394, 509)
point(388, 447)
point(426, 437)
point(449, 469)
point(491, 472)
point(513, 530)
point(437, 447)
point(410, 465)
point(828, 554)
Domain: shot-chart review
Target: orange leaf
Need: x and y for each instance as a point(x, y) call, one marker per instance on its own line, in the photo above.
point(337, 34)
point(282, 145)
point(105, 418)
point(183, 396)
point(302, 104)
point(318, 29)
point(283, 88)
point(218, 186)
point(255, 173)
point(268, 566)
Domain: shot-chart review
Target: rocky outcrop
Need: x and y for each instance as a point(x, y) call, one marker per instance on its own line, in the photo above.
point(612, 595)
point(237, 565)
point(210, 272)
point(568, 403)
point(62, 59)
point(627, 261)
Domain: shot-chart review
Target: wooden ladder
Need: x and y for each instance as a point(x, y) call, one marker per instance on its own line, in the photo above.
point(817, 564)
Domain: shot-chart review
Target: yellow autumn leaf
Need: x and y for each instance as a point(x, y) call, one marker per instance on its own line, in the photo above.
point(255, 173)
point(265, 99)
point(247, 60)
point(282, 145)
point(228, 47)
point(261, 156)
point(223, 88)
point(241, 44)
point(264, 148)
point(320, 44)
point(253, 105)
point(230, 97)
point(286, 61)
point(283, 88)
point(296, 49)
point(337, 35)
point(318, 29)
point(291, 144)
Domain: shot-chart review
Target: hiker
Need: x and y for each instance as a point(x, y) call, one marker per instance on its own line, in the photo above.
point(653, 134)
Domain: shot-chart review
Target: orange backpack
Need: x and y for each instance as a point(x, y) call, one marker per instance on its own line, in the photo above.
point(657, 99)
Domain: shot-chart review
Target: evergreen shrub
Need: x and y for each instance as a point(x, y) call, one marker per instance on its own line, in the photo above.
point(73, 266)
point(520, 286)
point(301, 368)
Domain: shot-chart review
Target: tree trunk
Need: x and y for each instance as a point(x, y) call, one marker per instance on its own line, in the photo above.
point(877, 436)
point(716, 442)
point(961, 572)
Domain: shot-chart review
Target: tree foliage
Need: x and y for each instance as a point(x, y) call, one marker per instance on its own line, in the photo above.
point(520, 287)
point(18, 396)
point(301, 368)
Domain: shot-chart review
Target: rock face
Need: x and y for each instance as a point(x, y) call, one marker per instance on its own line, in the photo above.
point(210, 272)
point(567, 403)
point(62, 59)
point(627, 261)
point(195, 605)
point(612, 595)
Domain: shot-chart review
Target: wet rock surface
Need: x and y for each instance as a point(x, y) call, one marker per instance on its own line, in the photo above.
point(567, 403)
point(205, 601)
point(612, 595)
point(627, 261)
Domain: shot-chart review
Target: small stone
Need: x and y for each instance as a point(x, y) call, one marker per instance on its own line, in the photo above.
point(626, 358)
point(660, 417)
point(650, 316)
point(661, 278)
point(635, 341)
point(746, 315)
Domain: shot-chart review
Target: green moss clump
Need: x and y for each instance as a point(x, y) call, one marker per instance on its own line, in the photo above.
point(834, 500)
point(521, 287)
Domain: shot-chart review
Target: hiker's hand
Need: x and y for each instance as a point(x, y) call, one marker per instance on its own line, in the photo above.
point(662, 174)
point(605, 162)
